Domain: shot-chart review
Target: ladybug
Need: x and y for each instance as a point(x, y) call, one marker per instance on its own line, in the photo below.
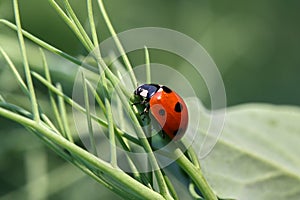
point(167, 107)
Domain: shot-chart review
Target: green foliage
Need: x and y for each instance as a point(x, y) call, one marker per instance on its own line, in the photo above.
point(60, 139)
point(255, 158)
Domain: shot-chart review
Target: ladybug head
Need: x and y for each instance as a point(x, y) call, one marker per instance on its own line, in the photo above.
point(146, 90)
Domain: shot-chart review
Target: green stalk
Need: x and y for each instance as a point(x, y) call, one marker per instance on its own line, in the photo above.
point(171, 187)
point(148, 69)
point(113, 151)
point(117, 41)
point(92, 24)
point(88, 115)
point(148, 129)
point(65, 97)
point(78, 164)
point(71, 24)
point(62, 109)
point(51, 96)
point(192, 190)
point(79, 108)
point(48, 46)
point(65, 55)
point(33, 100)
point(97, 97)
point(15, 72)
point(49, 123)
point(195, 174)
point(78, 25)
point(147, 147)
point(121, 136)
point(193, 157)
point(102, 106)
point(118, 179)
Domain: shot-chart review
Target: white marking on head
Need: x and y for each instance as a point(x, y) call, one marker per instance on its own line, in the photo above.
point(144, 93)
point(160, 90)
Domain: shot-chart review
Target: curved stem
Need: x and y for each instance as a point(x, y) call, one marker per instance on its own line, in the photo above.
point(196, 175)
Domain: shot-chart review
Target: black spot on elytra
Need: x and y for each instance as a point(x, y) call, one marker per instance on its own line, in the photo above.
point(166, 89)
point(178, 107)
point(162, 112)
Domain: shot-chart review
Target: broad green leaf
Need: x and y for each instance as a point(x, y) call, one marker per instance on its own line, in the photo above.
point(257, 156)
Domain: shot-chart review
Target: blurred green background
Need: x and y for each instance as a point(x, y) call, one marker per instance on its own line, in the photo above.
point(255, 45)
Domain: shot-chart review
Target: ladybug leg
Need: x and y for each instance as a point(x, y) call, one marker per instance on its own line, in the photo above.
point(144, 101)
point(145, 111)
point(147, 107)
point(163, 134)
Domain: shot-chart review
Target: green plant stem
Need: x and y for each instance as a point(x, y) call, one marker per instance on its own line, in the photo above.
point(118, 178)
point(113, 151)
point(92, 24)
point(48, 46)
point(147, 147)
point(15, 72)
point(80, 28)
point(88, 115)
point(193, 157)
point(72, 25)
point(120, 137)
point(195, 174)
point(33, 100)
point(63, 113)
point(117, 41)
point(65, 55)
point(148, 69)
point(51, 96)
point(78, 107)
point(171, 187)
point(66, 98)
point(49, 123)
point(192, 189)
point(64, 154)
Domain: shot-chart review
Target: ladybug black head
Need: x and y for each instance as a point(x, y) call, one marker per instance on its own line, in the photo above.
point(147, 90)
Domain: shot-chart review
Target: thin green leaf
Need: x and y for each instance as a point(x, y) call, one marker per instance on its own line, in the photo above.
point(49, 123)
point(119, 179)
point(171, 187)
point(97, 97)
point(88, 115)
point(196, 175)
point(51, 96)
point(48, 46)
point(141, 135)
point(33, 100)
point(113, 151)
point(78, 25)
point(15, 72)
point(92, 24)
point(62, 109)
point(72, 25)
point(79, 108)
point(148, 70)
point(118, 42)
